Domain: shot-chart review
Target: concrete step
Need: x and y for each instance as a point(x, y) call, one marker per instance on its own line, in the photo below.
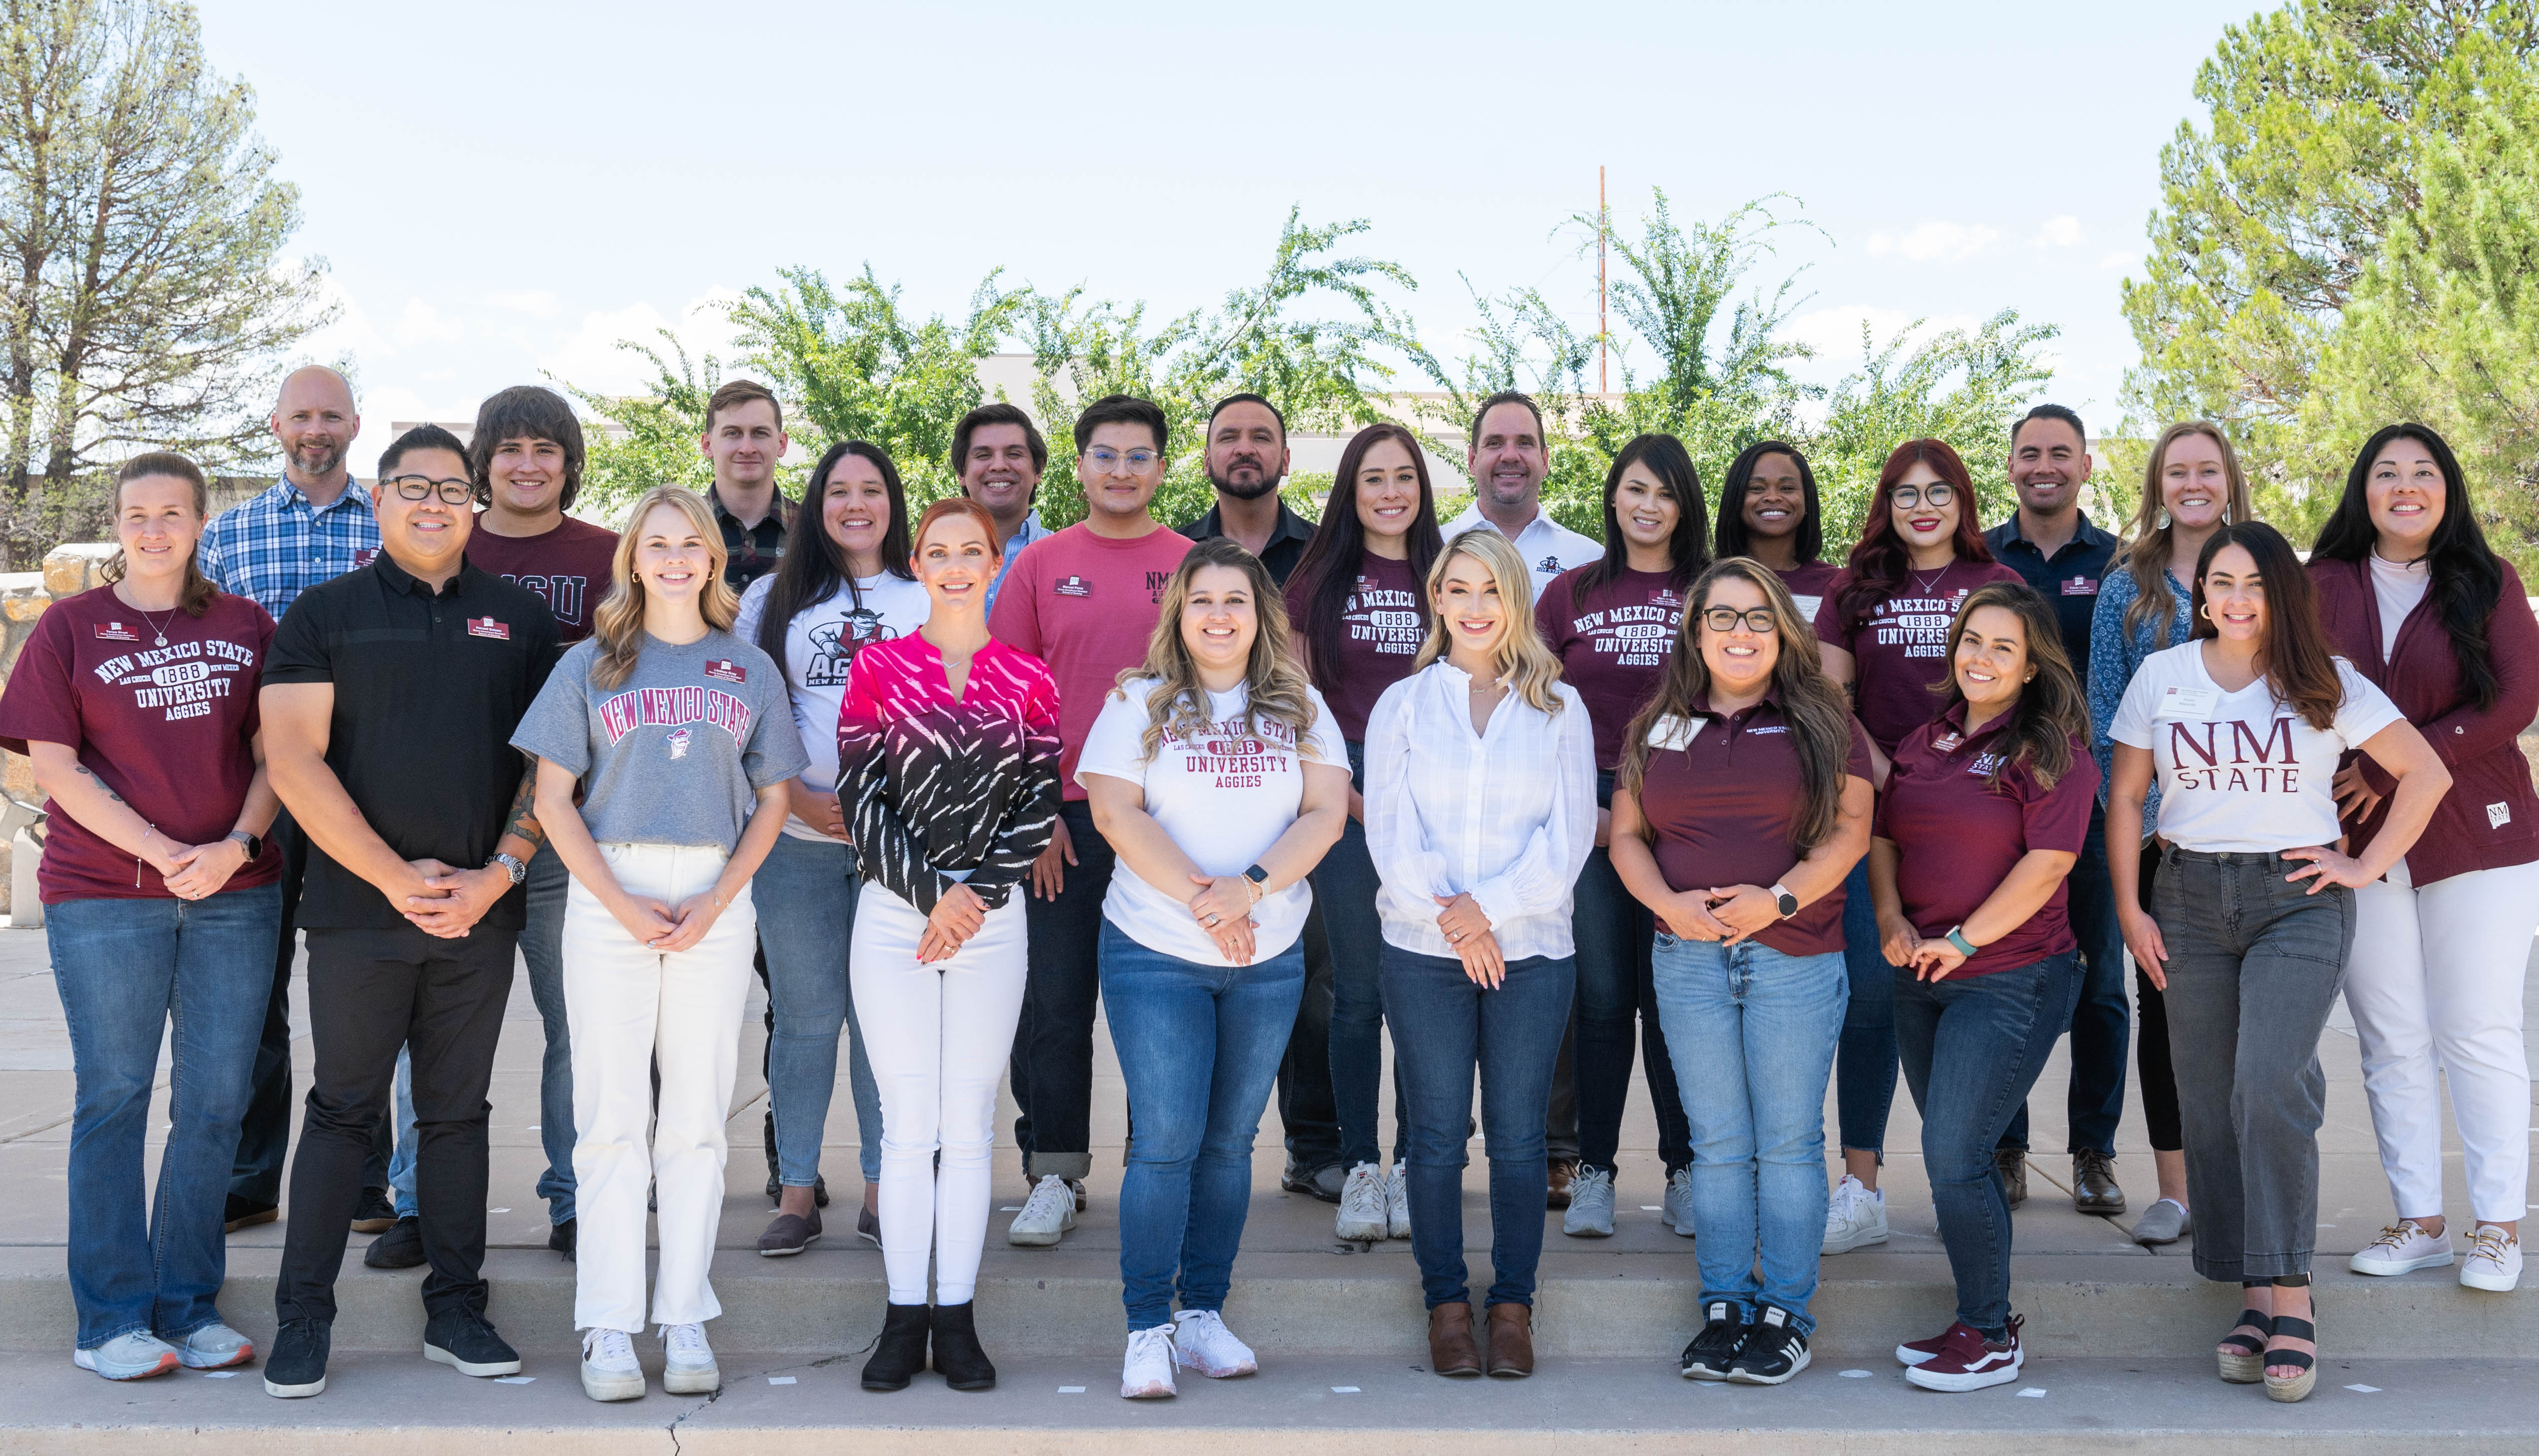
point(384, 1404)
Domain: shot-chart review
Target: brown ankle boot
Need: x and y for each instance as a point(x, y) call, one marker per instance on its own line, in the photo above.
point(1451, 1350)
point(1511, 1339)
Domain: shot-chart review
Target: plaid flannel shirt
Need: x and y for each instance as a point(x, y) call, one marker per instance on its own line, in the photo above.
point(273, 546)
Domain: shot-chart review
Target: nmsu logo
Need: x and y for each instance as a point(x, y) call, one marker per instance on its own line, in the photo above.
point(176, 673)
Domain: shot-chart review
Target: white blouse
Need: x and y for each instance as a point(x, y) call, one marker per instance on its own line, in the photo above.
point(1507, 815)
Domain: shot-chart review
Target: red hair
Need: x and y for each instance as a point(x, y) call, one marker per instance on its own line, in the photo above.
point(956, 506)
point(1878, 562)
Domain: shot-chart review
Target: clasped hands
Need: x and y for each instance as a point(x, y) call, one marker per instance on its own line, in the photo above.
point(192, 871)
point(1931, 957)
point(1725, 914)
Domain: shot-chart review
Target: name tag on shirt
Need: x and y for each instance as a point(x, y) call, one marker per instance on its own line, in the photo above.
point(2080, 586)
point(727, 670)
point(1674, 731)
point(365, 555)
point(1949, 742)
point(1806, 606)
point(487, 627)
point(117, 631)
point(2186, 704)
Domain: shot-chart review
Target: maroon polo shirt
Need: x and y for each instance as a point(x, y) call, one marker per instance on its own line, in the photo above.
point(1613, 642)
point(1900, 648)
point(1957, 836)
point(1380, 635)
point(1722, 807)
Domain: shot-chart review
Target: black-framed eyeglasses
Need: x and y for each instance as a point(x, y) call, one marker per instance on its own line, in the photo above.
point(1106, 460)
point(1759, 620)
point(1937, 493)
point(423, 487)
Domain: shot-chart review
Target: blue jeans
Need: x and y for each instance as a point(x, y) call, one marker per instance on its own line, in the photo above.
point(127, 969)
point(1971, 1049)
point(806, 917)
point(1345, 886)
point(1198, 1047)
point(2101, 1018)
point(1443, 1026)
point(1865, 1071)
point(1754, 1033)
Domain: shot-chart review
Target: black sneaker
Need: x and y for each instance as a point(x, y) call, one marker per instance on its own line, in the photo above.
point(246, 1212)
point(376, 1213)
point(1773, 1350)
point(1708, 1356)
point(401, 1247)
point(296, 1365)
point(560, 1238)
point(462, 1340)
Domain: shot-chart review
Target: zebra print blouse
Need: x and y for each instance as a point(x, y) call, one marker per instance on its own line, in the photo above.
point(936, 785)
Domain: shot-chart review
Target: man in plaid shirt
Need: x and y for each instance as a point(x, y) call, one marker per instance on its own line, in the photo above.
point(312, 525)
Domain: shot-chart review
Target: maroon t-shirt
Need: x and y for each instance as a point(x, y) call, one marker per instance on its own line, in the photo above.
point(1722, 806)
point(1957, 836)
point(1901, 649)
point(570, 567)
point(1380, 635)
point(1808, 584)
point(169, 729)
point(1613, 642)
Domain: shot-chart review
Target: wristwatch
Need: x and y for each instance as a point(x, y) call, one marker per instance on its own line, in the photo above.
point(1786, 902)
point(254, 843)
point(1961, 942)
point(1260, 879)
point(512, 867)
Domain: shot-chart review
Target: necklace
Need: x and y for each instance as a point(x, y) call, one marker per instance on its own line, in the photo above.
point(1922, 587)
point(159, 634)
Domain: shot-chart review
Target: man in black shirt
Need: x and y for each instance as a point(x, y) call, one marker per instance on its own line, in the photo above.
point(744, 438)
point(389, 700)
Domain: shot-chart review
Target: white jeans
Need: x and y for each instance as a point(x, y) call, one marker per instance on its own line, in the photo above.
point(938, 1035)
point(628, 1005)
point(2436, 981)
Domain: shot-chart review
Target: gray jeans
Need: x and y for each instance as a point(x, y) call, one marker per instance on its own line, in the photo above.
point(2253, 968)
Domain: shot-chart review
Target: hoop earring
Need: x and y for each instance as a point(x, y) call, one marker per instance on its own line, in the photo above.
point(2205, 610)
point(2162, 523)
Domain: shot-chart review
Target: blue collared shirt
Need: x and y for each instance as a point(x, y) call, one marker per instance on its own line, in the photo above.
point(274, 545)
point(1031, 530)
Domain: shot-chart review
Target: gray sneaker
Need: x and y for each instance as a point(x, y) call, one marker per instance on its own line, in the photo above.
point(2165, 1221)
point(1677, 1209)
point(1046, 1216)
point(215, 1346)
point(1591, 1205)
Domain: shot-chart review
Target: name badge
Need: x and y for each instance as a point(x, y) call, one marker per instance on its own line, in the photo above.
point(1675, 731)
point(1807, 608)
point(2186, 704)
point(487, 627)
point(1949, 742)
point(117, 631)
point(2080, 586)
point(365, 555)
point(727, 670)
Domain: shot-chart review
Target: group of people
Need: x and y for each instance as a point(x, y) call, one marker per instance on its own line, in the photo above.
point(1255, 788)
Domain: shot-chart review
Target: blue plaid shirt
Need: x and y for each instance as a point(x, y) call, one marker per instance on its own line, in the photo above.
point(272, 546)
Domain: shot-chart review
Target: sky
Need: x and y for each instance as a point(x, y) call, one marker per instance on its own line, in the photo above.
point(504, 191)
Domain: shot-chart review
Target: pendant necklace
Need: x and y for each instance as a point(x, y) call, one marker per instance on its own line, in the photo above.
point(159, 633)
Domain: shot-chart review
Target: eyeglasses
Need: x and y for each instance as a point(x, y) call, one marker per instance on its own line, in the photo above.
point(422, 486)
point(1761, 620)
point(1937, 493)
point(1106, 460)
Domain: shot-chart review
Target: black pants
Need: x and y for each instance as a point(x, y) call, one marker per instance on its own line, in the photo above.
point(2153, 1072)
point(370, 993)
point(1305, 1106)
point(1053, 1057)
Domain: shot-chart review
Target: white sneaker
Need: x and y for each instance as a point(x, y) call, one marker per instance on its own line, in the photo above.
point(133, 1357)
point(1148, 1373)
point(1361, 1214)
point(1678, 1206)
point(1202, 1343)
point(2494, 1261)
point(1856, 1215)
point(608, 1368)
point(1591, 1205)
point(2403, 1248)
point(1397, 1201)
point(688, 1366)
point(1047, 1215)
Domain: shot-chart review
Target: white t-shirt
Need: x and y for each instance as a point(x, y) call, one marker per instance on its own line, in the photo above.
point(821, 641)
point(2398, 588)
point(2240, 772)
point(1547, 547)
point(1224, 798)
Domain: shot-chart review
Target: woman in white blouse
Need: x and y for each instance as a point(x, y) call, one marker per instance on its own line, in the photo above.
point(1480, 808)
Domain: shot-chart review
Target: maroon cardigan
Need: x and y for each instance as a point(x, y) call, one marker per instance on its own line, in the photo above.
point(2490, 818)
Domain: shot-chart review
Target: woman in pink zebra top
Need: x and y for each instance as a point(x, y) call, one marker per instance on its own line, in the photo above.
point(947, 756)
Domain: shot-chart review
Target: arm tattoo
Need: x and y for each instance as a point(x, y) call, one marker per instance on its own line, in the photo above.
point(101, 784)
point(524, 811)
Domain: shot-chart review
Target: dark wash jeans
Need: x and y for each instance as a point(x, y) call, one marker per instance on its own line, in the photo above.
point(1971, 1047)
point(2101, 1019)
point(1616, 998)
point(1345, 886)
point(127, 969)
point(371, 992)
point(2254, 964)
point(1306, 1109)
point(1444, 1026)
point(1052, 1067)
point(1864, 1066)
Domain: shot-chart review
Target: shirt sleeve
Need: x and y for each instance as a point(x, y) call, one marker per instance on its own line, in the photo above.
point(1116, 745)
point(774, 751)
point(1031, 809)
point(1830, 628)
point(556, 726)
point(42, 704)
point(1395, 839)
point(2110, 666)
point(1543, 877)
point(753, 610)
point(886, 851)
point(2366, 709)
point(2467, 732)
point(1319, 744)
point(301, 652)
point(2059, 818)
point(2132, 724)
point(260, 628)
point(1546, 616)
point(1014, 619)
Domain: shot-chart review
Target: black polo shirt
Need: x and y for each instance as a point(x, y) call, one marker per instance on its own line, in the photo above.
point(1286, 544)
point(2069, 580)
point(749, 552)
point(428, 691)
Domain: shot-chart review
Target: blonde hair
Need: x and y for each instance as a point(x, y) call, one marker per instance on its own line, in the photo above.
point(1275, 687)
point(618, 624)
point(2146, 559)
point(1521, 657)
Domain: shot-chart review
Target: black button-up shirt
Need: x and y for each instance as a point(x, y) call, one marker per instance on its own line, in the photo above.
point(2069, 580)
point(429, 688)
point(749, 552)
point(1286, 544)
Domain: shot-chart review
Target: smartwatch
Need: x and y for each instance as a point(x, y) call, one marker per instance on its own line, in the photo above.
point(1260, 879)
point(1959, 940)
point(1786, 902)
point(252, 843)
point(512, 867)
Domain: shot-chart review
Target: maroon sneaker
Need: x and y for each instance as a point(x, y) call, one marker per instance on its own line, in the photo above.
point(1969, 1361)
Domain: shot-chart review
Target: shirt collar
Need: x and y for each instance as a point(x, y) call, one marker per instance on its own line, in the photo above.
point(405, 583)
point(776, 510)
point(287, 492)
point(1290, 526)
point(1771, 700)
point(1956, 719)
point(2088, 534)
point(1473, 517)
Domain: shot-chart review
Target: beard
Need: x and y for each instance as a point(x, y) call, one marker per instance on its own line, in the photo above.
point(318, 461)
point(1253, 490)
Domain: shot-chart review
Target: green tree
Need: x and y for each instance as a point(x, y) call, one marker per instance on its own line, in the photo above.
point(651, 438)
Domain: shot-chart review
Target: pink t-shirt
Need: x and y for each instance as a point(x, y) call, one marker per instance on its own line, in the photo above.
point(1085, 605)
point(1899, 649)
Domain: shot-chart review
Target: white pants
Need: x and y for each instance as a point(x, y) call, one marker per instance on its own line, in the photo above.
point(2436, 981)
point(627, 1006)
point(938, 1035)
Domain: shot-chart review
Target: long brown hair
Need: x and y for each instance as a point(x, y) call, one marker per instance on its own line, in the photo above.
point(2052, 711)
point(195, 595)
point(2146, 560)
point(1276, 688)
point(1817, 712)
point(1521, 656)
point(2299, 665)
point(618, 624)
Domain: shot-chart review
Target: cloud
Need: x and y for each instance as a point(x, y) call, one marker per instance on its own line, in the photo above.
point(420, 323)
point(535, 302)
point(2058, 232)
point(590, 358)
point(1934, 242)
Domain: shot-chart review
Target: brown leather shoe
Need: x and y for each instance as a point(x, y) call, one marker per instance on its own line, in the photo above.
point(1451, 1350)
point(2093, 1183)
point(2014, 1174)
point(1563, 1172)
point(1512, 1339)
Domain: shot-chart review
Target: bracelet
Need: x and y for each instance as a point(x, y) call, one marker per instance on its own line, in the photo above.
point(1258, 894)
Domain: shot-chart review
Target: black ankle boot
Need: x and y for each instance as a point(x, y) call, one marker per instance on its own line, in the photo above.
point(964, 1366)
point(901, 1351)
